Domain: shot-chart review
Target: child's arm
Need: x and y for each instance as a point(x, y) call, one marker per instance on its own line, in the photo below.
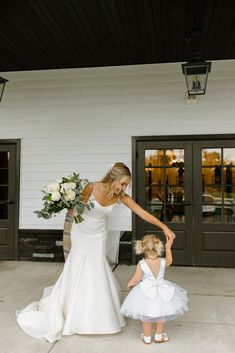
point(169, 258)
point(136, 278)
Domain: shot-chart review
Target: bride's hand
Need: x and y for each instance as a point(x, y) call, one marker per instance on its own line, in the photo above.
point(169, 234)
point(70, 212)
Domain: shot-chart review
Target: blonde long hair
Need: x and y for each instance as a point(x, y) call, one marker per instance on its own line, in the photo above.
point(149, 243)
point(116, 172)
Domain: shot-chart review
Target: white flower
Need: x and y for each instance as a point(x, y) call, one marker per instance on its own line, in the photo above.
point(63, 187)
point(72, 185)
point(55, 196)
point(67, 186)
point(70, 195)
point(52, 187)
point(59, 181)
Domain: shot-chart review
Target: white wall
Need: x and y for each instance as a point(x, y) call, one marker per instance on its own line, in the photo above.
point(83, 120)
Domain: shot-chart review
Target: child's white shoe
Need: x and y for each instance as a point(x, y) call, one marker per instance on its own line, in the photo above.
point(146, 339)
point(161, 338)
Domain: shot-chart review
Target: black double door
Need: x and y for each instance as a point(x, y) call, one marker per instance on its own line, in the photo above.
point(190, 185)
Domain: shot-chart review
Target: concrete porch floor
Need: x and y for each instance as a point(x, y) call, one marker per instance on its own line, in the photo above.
point(208, 327)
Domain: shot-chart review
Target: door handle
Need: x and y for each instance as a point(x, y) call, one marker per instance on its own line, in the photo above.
point(6, 202)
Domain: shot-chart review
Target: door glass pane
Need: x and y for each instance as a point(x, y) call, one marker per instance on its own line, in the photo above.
point(175, 204)
point(175, 176)
point(229, 176)
point(229, 204)
point(178, 213)
point(229, 195)
point(164, 178)
point(154, 158)
point(229, 156)
point(3, 211)
point(211, 156)
point(3, 176)
point(229, 213)
point(175, 158)
point(212, 176)
point(155, 202)
point(4, 163)
point(3, 205)
point(3, 198)
point(175, 194)
point(154, 177)
point(154, 191)
point(4, 159)
point(212, 195)
point(212, 204)
point(212, 213)
point(3, 193)
point(218, 185)
point(212, 179)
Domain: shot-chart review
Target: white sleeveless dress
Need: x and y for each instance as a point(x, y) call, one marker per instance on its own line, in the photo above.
point(86, 297)
point(155, 299)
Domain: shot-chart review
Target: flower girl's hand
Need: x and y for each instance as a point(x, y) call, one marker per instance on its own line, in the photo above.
point(169, 243)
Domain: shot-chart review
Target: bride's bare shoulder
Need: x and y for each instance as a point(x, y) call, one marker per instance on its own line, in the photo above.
point(86, 192)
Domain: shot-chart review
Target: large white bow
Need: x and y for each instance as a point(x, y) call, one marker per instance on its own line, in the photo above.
point(150, 289)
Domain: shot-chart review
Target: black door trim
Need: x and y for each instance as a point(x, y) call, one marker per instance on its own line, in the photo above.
point(17, 144)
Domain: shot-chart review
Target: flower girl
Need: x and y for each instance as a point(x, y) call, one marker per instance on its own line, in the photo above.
point(152, 298)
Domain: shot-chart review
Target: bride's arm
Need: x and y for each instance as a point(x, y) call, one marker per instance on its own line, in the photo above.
point(130, 203)
point(86, 192)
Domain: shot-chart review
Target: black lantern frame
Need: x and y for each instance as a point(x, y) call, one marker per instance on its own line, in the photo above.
point(196, 74)
point(2, 86)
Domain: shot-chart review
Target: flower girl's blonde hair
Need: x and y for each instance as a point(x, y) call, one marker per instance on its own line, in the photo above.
point(149, 243)
point(116, 172)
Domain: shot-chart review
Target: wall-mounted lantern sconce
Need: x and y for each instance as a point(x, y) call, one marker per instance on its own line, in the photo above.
point(2, 86)
point(196, 73)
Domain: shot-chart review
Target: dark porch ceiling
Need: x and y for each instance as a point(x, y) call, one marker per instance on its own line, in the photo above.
point(55, 34)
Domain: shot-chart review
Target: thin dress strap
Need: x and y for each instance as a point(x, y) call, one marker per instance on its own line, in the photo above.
point(92, 193)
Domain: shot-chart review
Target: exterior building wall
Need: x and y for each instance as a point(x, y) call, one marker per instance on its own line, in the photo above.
point(82, 120)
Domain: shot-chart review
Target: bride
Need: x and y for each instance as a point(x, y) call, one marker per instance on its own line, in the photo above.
point(86, 297)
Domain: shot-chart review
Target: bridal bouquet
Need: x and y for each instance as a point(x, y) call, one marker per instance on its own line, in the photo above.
point(64, 193)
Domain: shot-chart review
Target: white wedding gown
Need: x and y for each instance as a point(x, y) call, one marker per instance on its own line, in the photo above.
point(86, 297)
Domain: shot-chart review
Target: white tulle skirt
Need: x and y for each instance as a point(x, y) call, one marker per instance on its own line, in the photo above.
point(138, 306)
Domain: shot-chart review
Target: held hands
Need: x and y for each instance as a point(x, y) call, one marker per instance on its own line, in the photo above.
point(169, 234)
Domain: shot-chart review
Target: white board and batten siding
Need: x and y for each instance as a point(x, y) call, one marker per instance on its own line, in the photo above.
point(82, 120)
